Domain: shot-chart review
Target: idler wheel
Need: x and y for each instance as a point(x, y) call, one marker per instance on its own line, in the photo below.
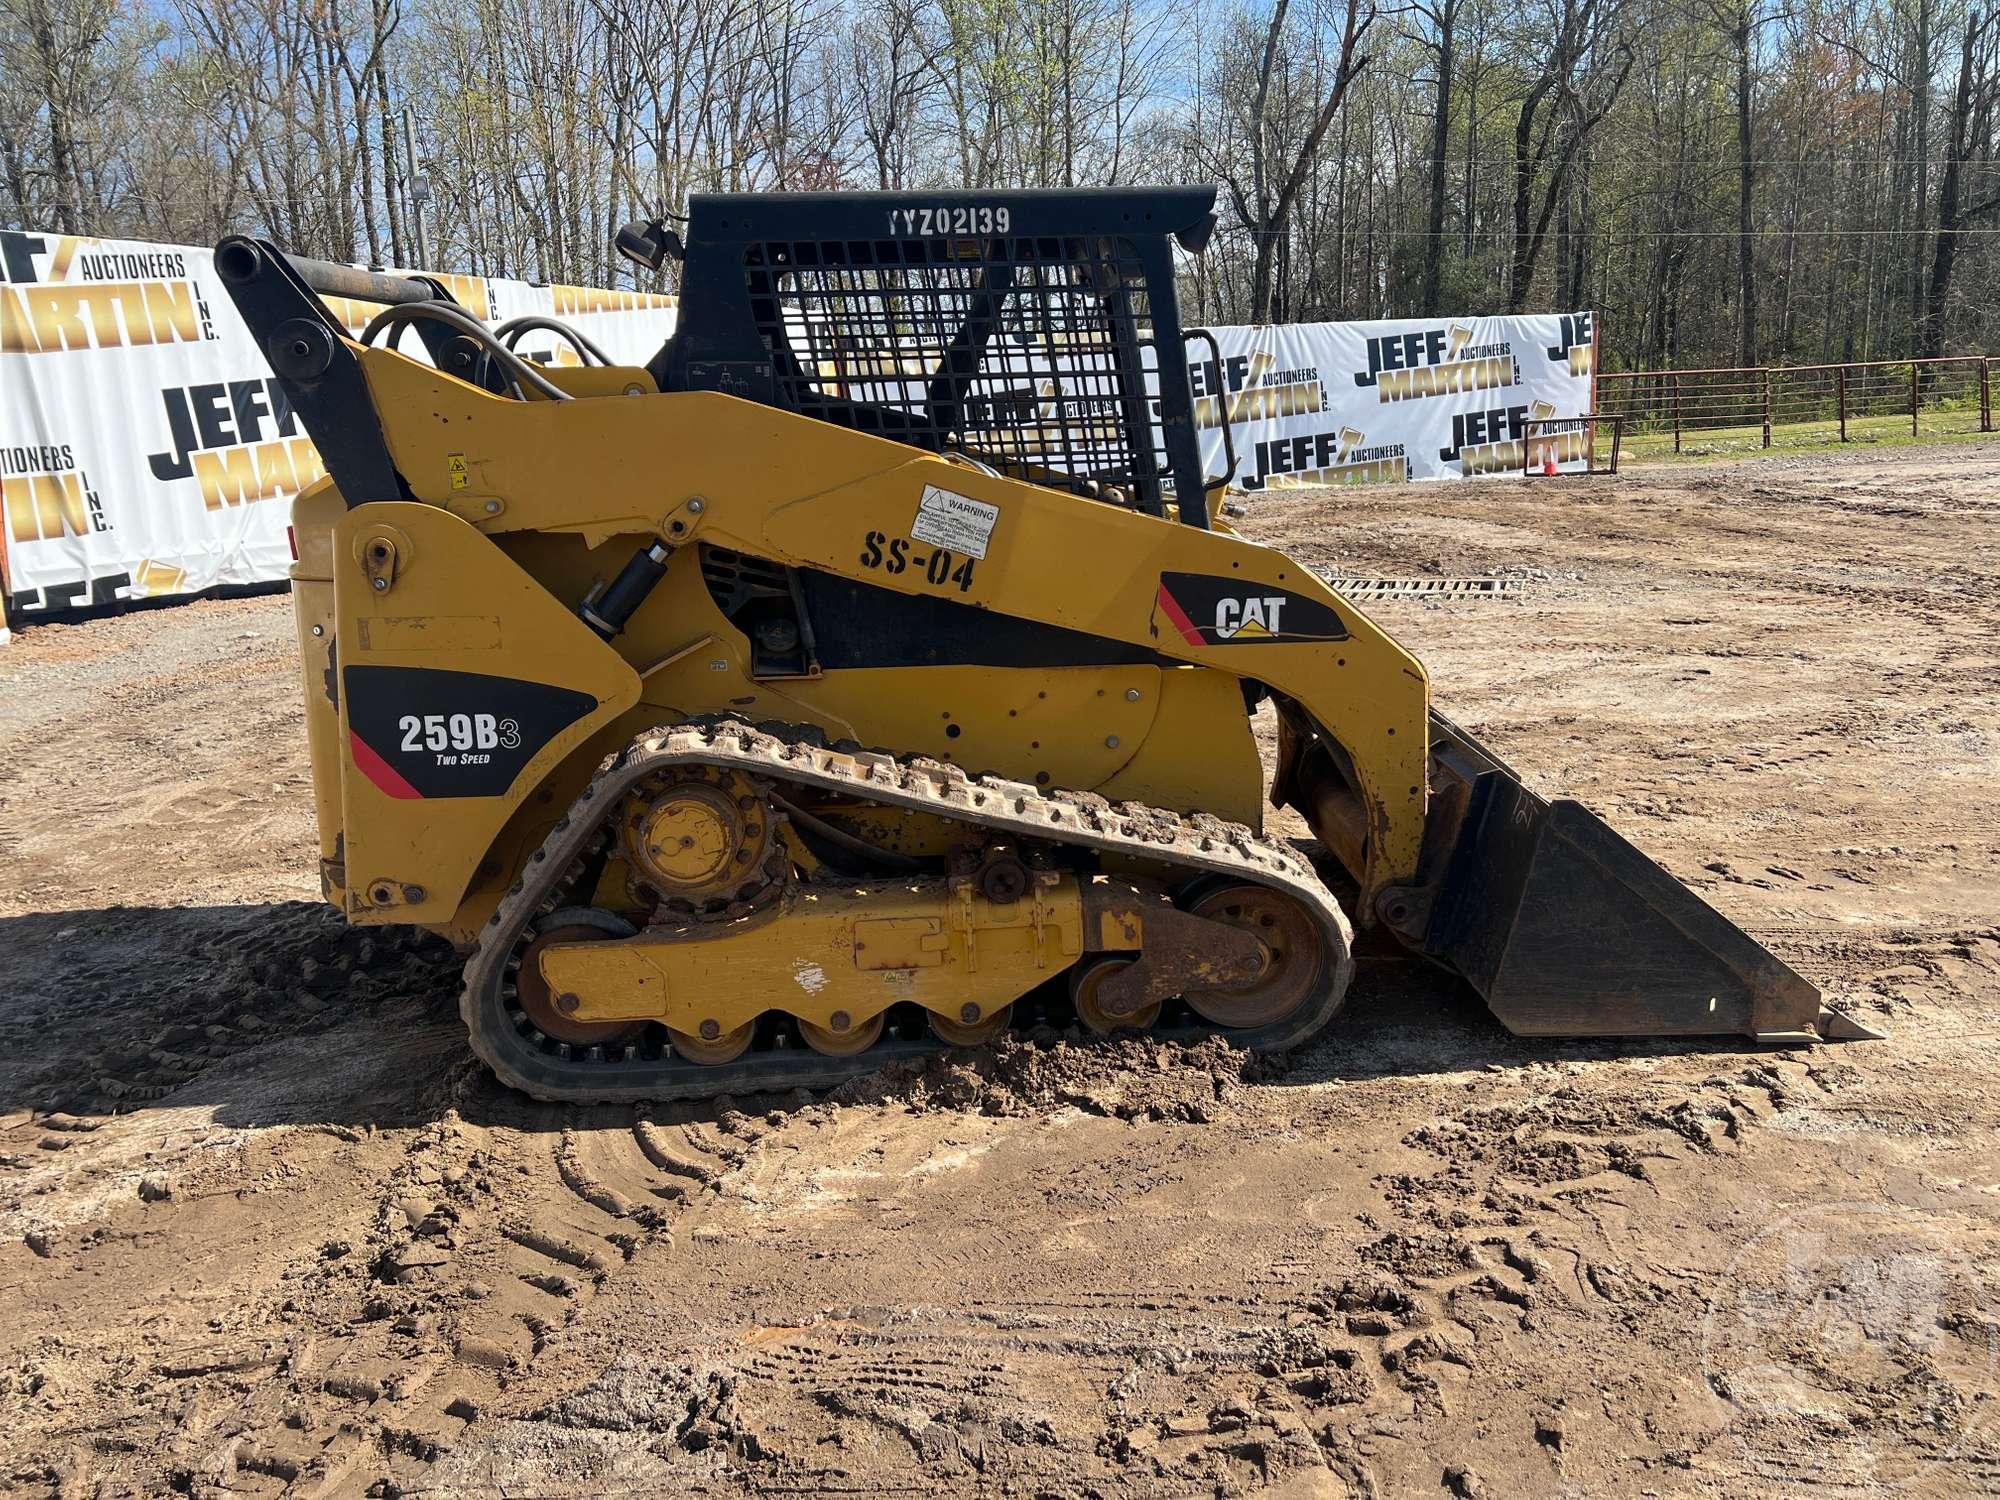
point(1292, 963)
point(551, 1013)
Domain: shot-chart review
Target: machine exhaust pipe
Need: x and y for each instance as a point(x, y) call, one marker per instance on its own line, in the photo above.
point(239, 260)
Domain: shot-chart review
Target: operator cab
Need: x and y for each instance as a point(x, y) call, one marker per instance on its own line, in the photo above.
point(1016, 331)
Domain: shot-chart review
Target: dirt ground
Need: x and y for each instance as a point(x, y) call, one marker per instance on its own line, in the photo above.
point(265, 1228)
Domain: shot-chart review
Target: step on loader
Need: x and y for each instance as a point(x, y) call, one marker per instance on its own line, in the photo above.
point(874, 671)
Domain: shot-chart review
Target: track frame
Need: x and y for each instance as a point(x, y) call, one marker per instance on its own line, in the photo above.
point(1198, 844)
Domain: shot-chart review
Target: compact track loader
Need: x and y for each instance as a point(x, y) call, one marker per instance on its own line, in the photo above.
point(874, 671)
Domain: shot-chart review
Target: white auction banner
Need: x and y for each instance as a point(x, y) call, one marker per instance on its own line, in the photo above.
point(1395, 399)
point(145, 449)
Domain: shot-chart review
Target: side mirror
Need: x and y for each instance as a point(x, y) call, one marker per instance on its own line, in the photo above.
point(650, 244)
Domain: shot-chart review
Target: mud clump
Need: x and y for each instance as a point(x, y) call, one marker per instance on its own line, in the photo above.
point(1425, 1257)
point(693, 1410)
point(630, 1395)
point(1572, 1134)
point(1126, 1079)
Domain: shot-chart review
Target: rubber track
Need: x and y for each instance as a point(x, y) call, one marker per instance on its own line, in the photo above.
point(1199, 844)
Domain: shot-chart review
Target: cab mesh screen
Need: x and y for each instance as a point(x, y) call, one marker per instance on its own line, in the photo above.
point(1030, 355)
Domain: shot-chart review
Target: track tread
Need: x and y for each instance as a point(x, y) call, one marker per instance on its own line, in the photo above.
point(377, 1406)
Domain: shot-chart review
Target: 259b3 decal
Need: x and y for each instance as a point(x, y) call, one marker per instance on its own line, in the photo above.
point(426, 732)
point(458, 732)
point(898, 554)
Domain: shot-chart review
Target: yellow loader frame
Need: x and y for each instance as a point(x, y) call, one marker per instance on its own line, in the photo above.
point(518, 506)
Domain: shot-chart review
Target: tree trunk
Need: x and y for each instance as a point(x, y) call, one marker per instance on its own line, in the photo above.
point(1433, 293)
point(1523, 264)
point(1260, 276)
point(1579, 277)
point(391, 186)
point(1746, 182)
point(68, 206)
point(1951, 211)
point(1920, 112)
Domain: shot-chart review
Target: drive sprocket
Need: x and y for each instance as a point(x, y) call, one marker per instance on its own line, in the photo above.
point(700, 841)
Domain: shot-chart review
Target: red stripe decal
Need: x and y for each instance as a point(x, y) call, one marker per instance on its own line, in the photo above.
point(379, 771)
point(1171, 608)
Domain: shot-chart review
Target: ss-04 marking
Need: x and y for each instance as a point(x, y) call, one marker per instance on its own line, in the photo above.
point(892, 554)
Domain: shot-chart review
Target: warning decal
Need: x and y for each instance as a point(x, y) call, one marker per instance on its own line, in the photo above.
point(956, 522)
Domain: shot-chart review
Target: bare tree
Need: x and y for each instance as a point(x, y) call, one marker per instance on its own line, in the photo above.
point(1278, 106)
point(1566, 100)
point(890, 60)
point(1441, 41)
point(63, 62)
point(1969, 143)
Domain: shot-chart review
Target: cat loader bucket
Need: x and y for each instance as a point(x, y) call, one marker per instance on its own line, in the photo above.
point(1565, 929)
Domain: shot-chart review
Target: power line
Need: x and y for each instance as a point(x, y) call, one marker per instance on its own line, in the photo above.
point(1598, 158)
point(1650, 236)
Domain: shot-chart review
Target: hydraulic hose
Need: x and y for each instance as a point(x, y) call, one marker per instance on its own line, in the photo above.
point(510, 333)
point(454, 317)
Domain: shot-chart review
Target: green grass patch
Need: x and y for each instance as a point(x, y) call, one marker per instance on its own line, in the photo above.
point(1711, 444)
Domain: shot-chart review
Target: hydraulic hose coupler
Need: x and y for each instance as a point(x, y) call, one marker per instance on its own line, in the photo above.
point(606, 610)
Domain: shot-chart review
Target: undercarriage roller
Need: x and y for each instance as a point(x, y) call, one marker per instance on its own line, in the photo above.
point(1085, 983)
point(972, 1030)
point(842, 1038)
point(722, 1047)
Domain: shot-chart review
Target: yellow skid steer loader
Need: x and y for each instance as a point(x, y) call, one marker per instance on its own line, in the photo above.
point(873, 671)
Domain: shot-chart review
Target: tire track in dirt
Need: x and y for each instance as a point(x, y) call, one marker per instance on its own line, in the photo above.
point(489, 1243)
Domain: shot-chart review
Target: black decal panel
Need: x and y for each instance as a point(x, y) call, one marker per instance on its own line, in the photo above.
point(421, 732)
point(1206, 610)
point(863, 625)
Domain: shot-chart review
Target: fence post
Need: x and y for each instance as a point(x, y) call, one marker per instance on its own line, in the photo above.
point(1767, 406)
point(1840, 398)
point(1913, 398)
point(1677, 414)
point(1985, 395)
